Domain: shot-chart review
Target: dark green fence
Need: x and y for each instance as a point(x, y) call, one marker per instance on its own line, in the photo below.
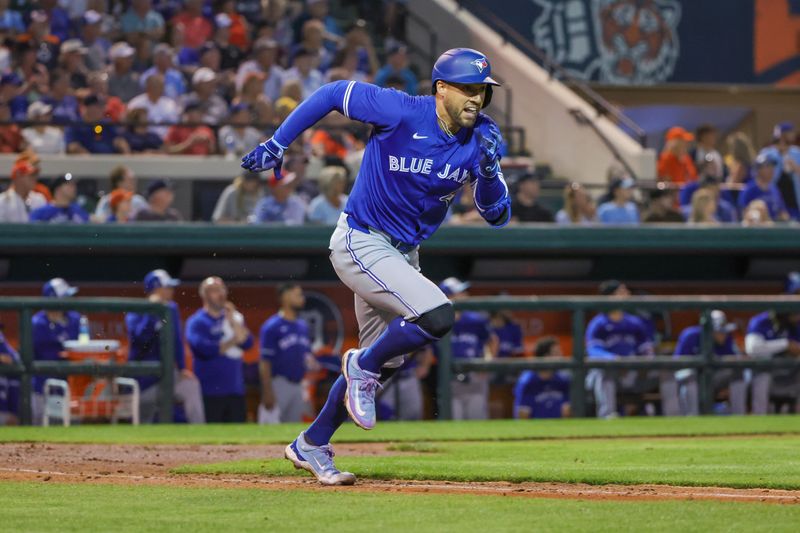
point(30, 367)
point(578, 364)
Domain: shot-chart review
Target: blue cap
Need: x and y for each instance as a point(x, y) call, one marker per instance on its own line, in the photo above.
point(159, 278)
point(792, 282)
point(453, 285)
point(157, 185)
point(58, 288)
point(464, 65)
point(781, 128)
point(767, 158)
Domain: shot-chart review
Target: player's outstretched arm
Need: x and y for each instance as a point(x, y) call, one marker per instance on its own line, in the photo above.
point(355, 100)
point(491, 191)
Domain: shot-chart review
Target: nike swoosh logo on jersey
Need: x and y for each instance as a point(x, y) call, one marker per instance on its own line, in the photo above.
point(417, 136)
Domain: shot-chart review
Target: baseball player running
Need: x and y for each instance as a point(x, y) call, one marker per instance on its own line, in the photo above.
point(421, 152)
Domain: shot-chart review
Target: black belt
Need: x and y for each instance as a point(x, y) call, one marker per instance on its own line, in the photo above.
point(396, 243)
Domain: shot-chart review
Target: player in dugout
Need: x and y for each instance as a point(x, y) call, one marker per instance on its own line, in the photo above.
point(421, 153)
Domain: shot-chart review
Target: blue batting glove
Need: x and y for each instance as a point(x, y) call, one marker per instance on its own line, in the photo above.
point(488, 164)
point(267, 155)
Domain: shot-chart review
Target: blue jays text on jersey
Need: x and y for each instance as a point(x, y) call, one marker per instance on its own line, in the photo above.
point(411, 169)
point(544, 397)
point(286, 344)
point(606, 338)
point(689, 343)
point(470, 334)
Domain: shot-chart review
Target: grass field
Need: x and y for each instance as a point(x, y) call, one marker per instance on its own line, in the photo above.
point(752, 452)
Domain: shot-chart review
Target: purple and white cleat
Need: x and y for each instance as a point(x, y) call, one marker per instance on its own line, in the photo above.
point(318, 460)
point(359, 399)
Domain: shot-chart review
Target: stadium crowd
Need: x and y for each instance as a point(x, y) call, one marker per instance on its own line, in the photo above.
point(216, 335)
point(200, 78)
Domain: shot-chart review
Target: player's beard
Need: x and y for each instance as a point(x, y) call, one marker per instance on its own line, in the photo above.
point(460, 117)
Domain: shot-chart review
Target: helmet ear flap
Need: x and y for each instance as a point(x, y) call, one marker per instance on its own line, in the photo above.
point(487, 99)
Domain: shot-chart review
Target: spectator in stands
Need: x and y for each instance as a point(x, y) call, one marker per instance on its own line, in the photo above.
point(196, 28)
point(123, 81)
point(41, 137)
point(526, 207)
point(138, 135)
point(705, 153)
point(579, 208)
point(543, 393)
point(725, 211)
point(740, 165)
point(397, 65)
point(661, 209)
point(313, 43)
point(359, 49)
point(285, 354)
point(96, 45)
point(619, 334)
point(119, 201)
point(141, 23)
point(756, 214)
point(20, 198)
point(252, 95)
point(329, 205)
point(703, 210)
point(786, 174)
point(28, 70)
point(239, 199)
point(190, 137)
point(238, 137)
point(317, 10)
point(160, 108)
point(508, 333)
point(675, 164)
point(144, 344)
point(121, 177)
point(71, 62)
point(63, 208)
point(95, 135)
point(723, 344)
point(159, 204)
point(304, 72)
point(58, 19)
point(50, 329)
point(11, 139)
point(763, 187)
point(10, 19)
point(283, 206)
point(263, 61)
point(236, 26)
point(212, 106)
point(39, 38)
point(174, 84)
point(12, 92)
point(218, 336)
point(621, 209)
point(9, 385)
point(402, 396)
point(64, 104)
point(471, 338)
point(32, 158)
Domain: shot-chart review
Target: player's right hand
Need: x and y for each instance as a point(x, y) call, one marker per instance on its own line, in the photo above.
point(488, 164)
point(267, 155)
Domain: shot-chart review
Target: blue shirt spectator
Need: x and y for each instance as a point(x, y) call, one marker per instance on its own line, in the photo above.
point(620, 209)
point(56, 214)
point(174, 83)
point(285, 344)
point(282, 206)
point(141, 19)
point(397, 67)
point(769, 193)
point(11, 21)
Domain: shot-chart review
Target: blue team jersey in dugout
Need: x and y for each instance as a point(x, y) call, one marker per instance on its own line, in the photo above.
point(286, 344)
point(411, 169)
point(606, 338)
point(48, 339)
point(689, 343)
point(544, 397)
point(470, 334)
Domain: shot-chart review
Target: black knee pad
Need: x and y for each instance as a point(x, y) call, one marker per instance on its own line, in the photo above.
point(437, 322)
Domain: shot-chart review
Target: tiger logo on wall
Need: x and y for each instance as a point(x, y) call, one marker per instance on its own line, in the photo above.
point(629, 42)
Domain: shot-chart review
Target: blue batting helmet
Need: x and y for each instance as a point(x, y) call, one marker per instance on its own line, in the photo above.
point(464, 65)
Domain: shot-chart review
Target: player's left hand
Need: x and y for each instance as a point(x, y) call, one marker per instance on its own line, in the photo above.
point(265, 156)
point(488, 164)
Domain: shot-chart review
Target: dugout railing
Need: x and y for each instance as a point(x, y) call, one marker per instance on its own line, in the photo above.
point(28, 367)
point(582, 309)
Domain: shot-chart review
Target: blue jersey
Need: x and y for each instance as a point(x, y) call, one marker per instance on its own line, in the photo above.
point(470, 334)
point(286, 344)
point(144, 337)
point(544, 397)
point(606, 339)
point(771, 196)
point(510, 337)
point(411, 169)
point(220, 374)
point(764, 324)
point(55, 214)
point(9, 385)
point(49, 337)
point(689, 343)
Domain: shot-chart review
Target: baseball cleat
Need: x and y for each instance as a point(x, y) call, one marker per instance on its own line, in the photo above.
point(359, 399)
point(318, 460)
